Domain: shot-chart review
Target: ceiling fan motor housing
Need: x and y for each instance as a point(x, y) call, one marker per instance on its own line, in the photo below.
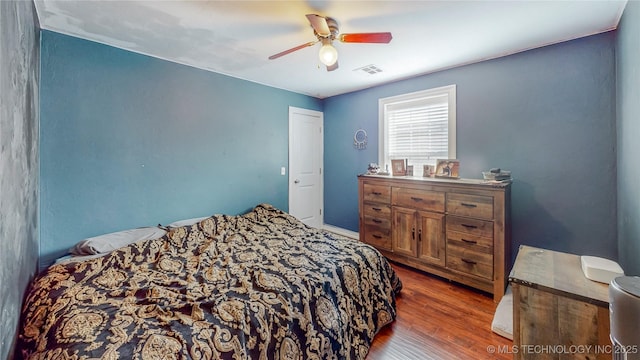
point(333, 28)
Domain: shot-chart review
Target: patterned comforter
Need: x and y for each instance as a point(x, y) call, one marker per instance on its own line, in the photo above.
point(256, 286)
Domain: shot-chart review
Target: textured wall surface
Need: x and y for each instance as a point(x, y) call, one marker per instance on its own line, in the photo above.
point(128, 140)
point(548, 115)
point(628, 98)
point(19, 74)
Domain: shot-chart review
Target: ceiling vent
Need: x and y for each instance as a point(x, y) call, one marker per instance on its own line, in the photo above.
point(370, 69)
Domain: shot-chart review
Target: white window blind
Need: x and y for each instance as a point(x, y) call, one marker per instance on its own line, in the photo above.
point(419, 127)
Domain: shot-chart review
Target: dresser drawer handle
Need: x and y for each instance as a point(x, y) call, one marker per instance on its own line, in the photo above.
point(377, 236)
point(377, 221)
point(416, 198)
point(376, 209)
point(470, 262)
point(469, 241)
point(469, 205)
point(376, 193)
point(469, 226)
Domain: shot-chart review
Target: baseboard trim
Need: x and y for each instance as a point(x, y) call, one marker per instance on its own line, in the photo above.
point(340, 231)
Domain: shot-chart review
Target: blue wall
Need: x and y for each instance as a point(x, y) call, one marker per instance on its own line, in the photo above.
point(548, 115)
point(628, 99)
point(128, 140)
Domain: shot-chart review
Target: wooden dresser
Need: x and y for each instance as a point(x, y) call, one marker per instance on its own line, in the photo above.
point(457, 229)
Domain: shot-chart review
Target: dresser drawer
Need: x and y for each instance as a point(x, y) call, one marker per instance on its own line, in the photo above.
point(377, 236)
point(373, 209)
point(470, 241)
point(383, 222)
point(470, 261)
point(476, 206)
point(470, 226)
point(418, 199)
point(377, 193)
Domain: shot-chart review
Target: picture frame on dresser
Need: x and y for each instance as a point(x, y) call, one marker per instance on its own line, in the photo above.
point(448, 168)
point(428, 170)
point(398, 167)
point(409, 171)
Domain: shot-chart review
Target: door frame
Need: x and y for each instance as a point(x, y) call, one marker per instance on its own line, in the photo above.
point(320, 115)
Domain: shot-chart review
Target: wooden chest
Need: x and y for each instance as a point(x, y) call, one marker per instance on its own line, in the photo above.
point(557, 312)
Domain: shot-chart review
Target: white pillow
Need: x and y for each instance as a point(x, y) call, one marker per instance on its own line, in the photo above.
point(186, 222)
point(108, 242)
point(77, 258)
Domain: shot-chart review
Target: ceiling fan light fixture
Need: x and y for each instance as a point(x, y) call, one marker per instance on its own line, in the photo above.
point(328, 54)
point(326, 30)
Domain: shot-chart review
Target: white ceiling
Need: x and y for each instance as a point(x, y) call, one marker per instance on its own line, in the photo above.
point(236, 37)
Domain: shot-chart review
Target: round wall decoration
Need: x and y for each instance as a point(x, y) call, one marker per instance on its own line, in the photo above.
point(360, 139)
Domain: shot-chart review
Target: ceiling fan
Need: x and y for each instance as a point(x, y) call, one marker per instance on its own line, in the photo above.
point(326, 30)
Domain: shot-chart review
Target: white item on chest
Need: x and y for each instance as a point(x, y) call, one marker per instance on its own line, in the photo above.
point(600, 269)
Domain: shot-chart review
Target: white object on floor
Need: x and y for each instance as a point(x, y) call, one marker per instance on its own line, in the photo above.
point(502, 323)
point(600, 269)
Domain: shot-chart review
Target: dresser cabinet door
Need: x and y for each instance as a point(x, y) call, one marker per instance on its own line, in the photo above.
point(404, 236)
point(431, 239)
point(419, 234)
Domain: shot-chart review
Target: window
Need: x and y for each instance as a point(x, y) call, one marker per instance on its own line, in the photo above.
point(419, 126)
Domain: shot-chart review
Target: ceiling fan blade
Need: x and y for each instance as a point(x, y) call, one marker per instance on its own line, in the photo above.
point(332, 67)
point(380, 38)
point(319, 24)
point(311, 43)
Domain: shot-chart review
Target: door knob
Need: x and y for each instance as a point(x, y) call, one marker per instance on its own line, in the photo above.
point(296, 181)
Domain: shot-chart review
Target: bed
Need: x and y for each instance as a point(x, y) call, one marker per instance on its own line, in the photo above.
point(261, 285)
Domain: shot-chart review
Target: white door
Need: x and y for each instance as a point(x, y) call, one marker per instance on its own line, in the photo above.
point(305, 165)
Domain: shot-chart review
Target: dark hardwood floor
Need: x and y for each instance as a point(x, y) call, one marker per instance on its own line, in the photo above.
point(438, 319)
